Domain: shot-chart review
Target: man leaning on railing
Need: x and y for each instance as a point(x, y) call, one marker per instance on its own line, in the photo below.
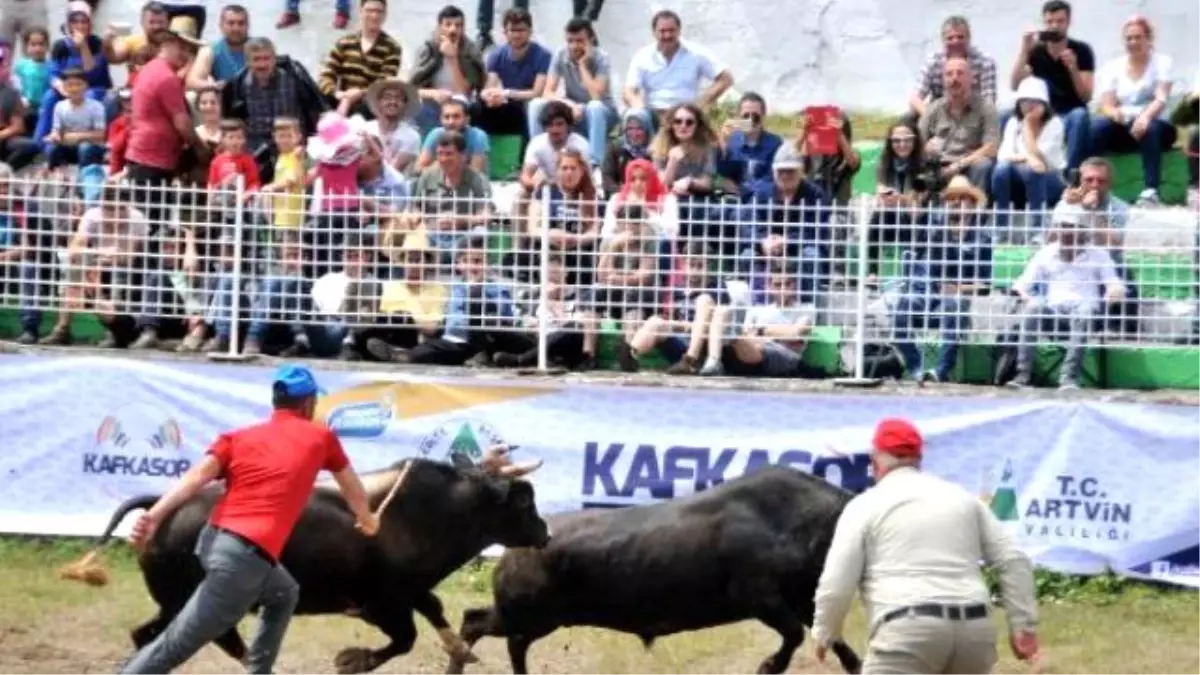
point(1066, 281)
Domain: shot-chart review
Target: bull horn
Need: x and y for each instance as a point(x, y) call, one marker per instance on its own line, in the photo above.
point(518, 470)
point(88, 569)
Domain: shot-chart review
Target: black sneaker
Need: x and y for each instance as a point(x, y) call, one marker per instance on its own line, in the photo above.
point(380, 349)
point(625, 357)
point(505, 360)
point(297, 348)
point(27, 338)
point(348, 353)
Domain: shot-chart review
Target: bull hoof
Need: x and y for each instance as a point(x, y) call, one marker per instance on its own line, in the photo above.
point(354, 660)
point(460, 653)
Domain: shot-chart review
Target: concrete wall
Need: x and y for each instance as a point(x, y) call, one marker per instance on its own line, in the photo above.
point(861, 54)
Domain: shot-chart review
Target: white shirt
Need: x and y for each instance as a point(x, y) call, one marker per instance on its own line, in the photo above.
point(1052, 141)
point(544, 156)
point(665, 221)
point(1069, 284)
point(1133, 95)
point(915, 538)
point(404, 140)
point(664, 84)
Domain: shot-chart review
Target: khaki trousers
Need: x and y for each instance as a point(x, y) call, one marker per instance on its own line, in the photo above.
point(919, 644)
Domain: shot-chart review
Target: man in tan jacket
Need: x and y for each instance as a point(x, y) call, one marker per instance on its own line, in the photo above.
point(912, 544)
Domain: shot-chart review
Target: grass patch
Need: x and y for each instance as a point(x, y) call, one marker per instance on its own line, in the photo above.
point(1097, 625)
point(865, 125)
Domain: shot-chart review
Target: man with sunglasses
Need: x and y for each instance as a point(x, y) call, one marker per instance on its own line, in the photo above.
point(747, 149)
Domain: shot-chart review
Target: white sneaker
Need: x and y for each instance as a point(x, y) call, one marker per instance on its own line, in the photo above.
point(1148, 197)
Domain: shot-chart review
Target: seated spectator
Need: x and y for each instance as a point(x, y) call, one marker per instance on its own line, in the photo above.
point(951, 263)
point(902, 184)
point(450, 198)
point(931, 84)
point(747, 148)
point(627, 270)
point(633, 143)
point(208, 107)
point(14, 237)
point(771, 340)
point(570, 328)
point(516, 76)
point(583, 72)
point(342, 299)
point(136, 50)
point(1108, 213)
point(671, 72)
point(395, 103)
point(337, 152)
point(118, 136)
point(448, 65)
point(1067, 66)
point(834, 173)
point(692, 303)
point(222, 59)
point(685, 154)
point(1064, 281)
point(102, 265)
point(360, 59)
point(16, 149)
point(78, 130)
point(480, 318)
point(33, 70)
point(960, 129)
point(78, 49)
point(456, 118)
point(787, 220)
point(222, 291)
point(1031, 156)
point(272, 86)
point(411, 309)
point(541, 155)
point(573, 220)
point(1187, 114)
point(1133, 97)
point(384, 190)
point(642, 187)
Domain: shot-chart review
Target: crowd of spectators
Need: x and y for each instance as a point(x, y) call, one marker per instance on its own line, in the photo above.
point(369, 223)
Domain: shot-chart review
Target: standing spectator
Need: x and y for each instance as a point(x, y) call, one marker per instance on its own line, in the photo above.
point(456, 118)
point(1067, 66)
point(287, 189)
point(16, 149)
point(395, 103)
point(960, 129)
point(18, 16)
point(1031, 157)
point(516, 76)
point(222, 60)
point(834, 173)
point(956, 44)
point(1133, 97)
point(448, 65)
point(34, 71)
point(588, 10)
point(78, 49)
point(671, 72)
point(360, 59)
point(485, 13)
point(228, 166)
point(747, 148)
point(584, 73)
point(77, 133)
point(291, 15)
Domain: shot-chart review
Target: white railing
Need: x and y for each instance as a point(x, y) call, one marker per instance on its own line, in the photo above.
point(536, 279)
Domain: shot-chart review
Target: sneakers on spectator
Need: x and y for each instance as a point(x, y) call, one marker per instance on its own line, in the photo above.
point(27, 338)
point(216, 345)
point(626, 358)
point(287, 20)
point(684, 366)
point(588, 362)
point(108, 342)
point(1018, 382)
point(299, 347)
point(1149, 197)
point(192, 342)
point(57, 337)
point(252, 347)
point(340, 20)
point(506, 360)
point(348, 353)
point(147, 340)
point(1193, 198)
point(385, 352)
point(712, 367)
point(481, 360)
point(1068, 385)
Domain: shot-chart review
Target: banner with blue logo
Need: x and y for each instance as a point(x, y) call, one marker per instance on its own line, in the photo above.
point(1082, 486)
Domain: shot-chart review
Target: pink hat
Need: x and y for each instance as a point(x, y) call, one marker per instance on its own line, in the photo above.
point(339, 140)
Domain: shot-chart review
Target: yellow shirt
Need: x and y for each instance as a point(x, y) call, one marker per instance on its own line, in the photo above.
point(425, 303)
point(289, 204)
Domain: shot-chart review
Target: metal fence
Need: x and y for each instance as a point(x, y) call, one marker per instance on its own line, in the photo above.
point(538, 278)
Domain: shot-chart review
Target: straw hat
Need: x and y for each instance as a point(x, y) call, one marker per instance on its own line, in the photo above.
point(416, 241)
point(187, 23)
point(960, 186)
point(412, 98)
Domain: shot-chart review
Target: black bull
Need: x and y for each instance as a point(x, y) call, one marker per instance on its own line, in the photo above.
point(752, 548)
point(442, 517)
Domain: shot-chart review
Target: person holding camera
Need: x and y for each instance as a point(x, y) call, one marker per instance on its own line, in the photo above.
point(960, 129)
point(1067, 66)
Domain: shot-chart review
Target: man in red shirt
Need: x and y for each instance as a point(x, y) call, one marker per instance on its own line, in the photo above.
point(269, 470)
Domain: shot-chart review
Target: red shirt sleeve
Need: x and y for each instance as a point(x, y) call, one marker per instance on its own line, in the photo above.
point(215, 169)
point(118, 138)
point(222, 449)
point(335, 456)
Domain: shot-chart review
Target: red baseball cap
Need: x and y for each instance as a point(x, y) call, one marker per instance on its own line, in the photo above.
point(898, 438)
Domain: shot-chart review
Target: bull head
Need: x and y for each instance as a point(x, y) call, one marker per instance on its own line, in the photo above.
point(496, 462)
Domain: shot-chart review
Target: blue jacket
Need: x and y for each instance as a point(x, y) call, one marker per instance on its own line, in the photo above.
point(64, 55)
point(459, 317)
point(749, 165)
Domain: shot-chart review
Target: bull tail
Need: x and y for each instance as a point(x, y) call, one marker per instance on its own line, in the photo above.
point(90, 569)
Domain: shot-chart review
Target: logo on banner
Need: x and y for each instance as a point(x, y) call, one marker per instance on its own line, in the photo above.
point(618, 474)
point(368, 419)
point(136, 441)
point(464, 436)
point(1076, 508)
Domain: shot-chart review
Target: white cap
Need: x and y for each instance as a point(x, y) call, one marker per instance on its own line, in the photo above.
point(1034, 89)
point(1069, 214)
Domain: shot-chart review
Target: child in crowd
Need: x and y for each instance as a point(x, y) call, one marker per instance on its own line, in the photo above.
point(118, 136)
point(287, 209)
point(33, 70)
point(337, 152)
point(232, 162)
point(78, 126)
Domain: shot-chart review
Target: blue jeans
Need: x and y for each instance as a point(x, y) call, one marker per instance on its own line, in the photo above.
point(32, 293)
point(485, 13)
point(949, 313)
point(339, 6)
point(281, 299)
point(1078, 130)
point(236, 579)
point(220, 310)
point(598, 121)
point(1109, 137)
point(1040, 190)
point(84, 154)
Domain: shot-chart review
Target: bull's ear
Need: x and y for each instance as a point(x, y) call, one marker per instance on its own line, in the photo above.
point(460, 461)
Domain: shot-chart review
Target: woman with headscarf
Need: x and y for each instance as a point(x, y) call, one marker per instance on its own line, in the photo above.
point(633, 143)
point(642, 185)
point(78, 48)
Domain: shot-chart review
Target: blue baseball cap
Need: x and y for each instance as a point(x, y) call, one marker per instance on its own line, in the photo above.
point(297, 380)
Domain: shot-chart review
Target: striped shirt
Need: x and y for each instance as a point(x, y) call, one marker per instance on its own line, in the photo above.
point(347, 67)
point(931, 85)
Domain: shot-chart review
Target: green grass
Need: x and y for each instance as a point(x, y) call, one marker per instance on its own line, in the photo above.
point(866, 125)
point(49, 625)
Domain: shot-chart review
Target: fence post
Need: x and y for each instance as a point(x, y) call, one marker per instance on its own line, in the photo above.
point(543, 310)
point(235, 302)
point(860, 305)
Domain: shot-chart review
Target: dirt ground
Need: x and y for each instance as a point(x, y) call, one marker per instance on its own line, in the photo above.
point(48, 625)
